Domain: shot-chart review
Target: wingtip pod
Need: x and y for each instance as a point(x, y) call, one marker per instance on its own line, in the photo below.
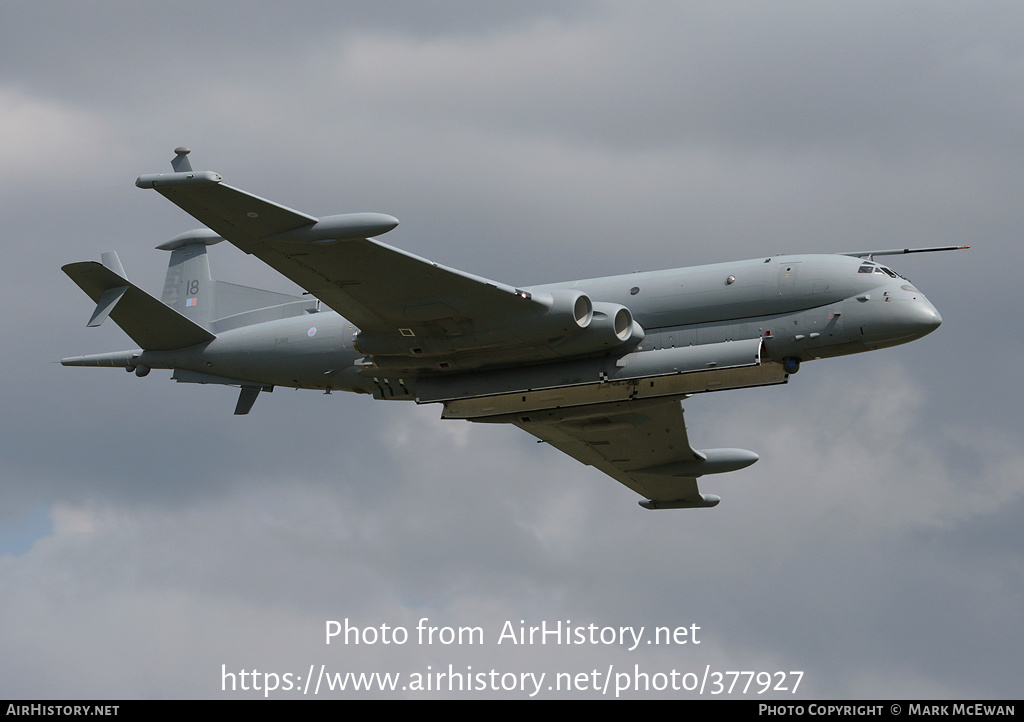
point(187, 178)
point(182, 175)
point(704, 501)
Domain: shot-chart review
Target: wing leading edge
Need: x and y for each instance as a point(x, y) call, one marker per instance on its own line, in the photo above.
point(641, 443)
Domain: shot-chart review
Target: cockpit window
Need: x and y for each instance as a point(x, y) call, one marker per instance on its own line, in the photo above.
point(872, 268)
point(893, 273)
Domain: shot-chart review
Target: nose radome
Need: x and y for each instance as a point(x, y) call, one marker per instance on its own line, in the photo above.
point(898, 320)
point(926, 317)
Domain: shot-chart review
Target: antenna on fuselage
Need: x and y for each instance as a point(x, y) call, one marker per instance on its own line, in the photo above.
point(870, 255)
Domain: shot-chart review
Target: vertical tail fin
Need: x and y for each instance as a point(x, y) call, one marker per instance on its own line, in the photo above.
point(191, 290)
point(189, 287)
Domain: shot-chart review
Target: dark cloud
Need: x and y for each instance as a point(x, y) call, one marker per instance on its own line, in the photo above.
point(149, 537)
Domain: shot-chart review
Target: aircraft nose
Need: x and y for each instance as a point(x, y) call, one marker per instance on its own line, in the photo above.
point(920, 317)
point(896, 320)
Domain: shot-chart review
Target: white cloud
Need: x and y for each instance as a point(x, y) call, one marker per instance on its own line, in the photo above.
point(42, 141)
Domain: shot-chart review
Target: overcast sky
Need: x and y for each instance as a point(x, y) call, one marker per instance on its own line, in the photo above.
point(148, 537)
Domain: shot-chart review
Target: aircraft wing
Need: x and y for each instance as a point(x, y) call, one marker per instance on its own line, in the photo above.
point(640, 443)
point(381, 289)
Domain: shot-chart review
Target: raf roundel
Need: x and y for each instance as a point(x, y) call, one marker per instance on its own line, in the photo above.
point(311, 332)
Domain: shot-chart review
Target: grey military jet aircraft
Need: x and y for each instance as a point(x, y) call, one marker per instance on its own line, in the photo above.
point(597, 368)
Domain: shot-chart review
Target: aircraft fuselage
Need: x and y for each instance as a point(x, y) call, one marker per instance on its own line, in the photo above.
point(800, 307)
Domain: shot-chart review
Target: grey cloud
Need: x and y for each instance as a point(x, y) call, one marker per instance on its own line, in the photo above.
point(874, 545)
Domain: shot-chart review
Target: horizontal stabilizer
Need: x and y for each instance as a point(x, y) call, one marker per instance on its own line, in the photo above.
point(150, 323)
